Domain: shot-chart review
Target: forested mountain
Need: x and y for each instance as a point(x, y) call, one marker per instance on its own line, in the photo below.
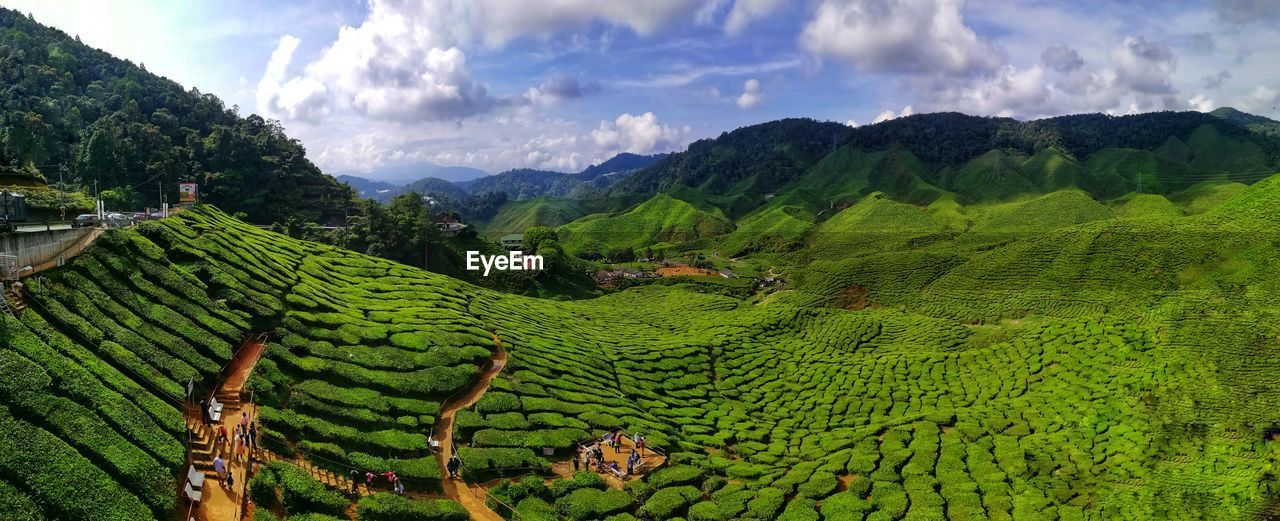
point(921, 157)
point(368, 188)
point(109, 120)
point(769, 155)
point(519, 184)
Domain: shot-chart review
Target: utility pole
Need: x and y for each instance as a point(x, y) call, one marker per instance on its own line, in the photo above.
point(62, 191)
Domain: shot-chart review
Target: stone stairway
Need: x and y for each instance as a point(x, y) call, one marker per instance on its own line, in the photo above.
point(12, 303)
point(203, 436)
point(329, 478)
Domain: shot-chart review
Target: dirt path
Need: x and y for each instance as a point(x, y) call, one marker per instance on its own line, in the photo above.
point(220, 502)
point(456, 488)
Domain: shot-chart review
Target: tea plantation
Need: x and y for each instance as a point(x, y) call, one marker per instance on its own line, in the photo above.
point(1095, 367)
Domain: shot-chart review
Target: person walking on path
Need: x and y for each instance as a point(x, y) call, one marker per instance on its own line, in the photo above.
point(220, 467)
point(253, 436)
point(452, 466)
point(368, 479)
point(617, 443)
point(354, 478)
point(204, 413)
point(399, 487)
point(235, 452)
point(640, 446)
point(577, 460)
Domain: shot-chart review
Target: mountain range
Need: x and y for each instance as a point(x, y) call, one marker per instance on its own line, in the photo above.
point(518, 184)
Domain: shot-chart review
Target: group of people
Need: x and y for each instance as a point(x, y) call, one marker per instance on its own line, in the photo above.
point(240, 445)
point(370, 478)
point(594, 454)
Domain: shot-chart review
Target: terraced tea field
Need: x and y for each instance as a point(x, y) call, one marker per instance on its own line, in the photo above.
point(1103, 368)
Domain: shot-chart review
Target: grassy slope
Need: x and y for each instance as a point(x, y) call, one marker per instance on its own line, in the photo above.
point(1113, 368)
point(660, 219)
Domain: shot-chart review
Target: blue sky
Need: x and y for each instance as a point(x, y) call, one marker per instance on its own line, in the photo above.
point(561, 84)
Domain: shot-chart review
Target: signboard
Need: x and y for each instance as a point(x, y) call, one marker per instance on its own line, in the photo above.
point(187, 192)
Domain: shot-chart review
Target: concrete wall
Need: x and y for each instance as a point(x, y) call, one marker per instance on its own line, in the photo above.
point(18, 250)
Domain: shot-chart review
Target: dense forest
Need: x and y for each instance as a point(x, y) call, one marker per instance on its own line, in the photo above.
point(111, 122)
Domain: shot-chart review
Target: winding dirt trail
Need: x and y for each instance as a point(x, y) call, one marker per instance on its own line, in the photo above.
point(455, 488)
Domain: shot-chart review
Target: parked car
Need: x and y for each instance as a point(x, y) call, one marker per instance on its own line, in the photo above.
point(118, 220)
point(139, 217)
point(85, 220)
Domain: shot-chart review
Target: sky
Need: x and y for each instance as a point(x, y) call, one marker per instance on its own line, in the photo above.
point(562, 84)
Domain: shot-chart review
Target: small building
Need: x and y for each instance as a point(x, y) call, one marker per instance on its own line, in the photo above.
point(447, 224)
point(13, 206)
point(511, 241)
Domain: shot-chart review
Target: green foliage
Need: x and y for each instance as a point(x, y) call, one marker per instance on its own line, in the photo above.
point(300, 493)
point(112, 121)
point(389, 507)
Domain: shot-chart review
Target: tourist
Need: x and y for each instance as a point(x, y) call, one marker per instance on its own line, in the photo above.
point(452, 466)
point(631, 464)
point(576, 462)
point(235, 453)
point(222, 435)
point(355, 479)
point(391, 479)
point(204, 413)
point(368, 478)
point(220, 467)
point(640, 446)
point(635, 439)
point(253, 435)
point(244, 419)
point(399, 487)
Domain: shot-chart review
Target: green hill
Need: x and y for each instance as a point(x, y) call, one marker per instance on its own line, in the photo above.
point(1052, 169)
point(964, 376)
point(991, 176)
point(662, 219)
point(517, 216)
point(1048, 212)
point(1146, 206)
point(109, 120)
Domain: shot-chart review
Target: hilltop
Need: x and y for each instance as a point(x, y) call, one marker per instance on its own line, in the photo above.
point(111, 121)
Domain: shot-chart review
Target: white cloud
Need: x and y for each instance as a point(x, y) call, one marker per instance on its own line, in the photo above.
point(1260, 100)
point(851, 123)
point(1138, 77)
point(296, 99)
point(903, 36)
point(391, 67)
point(496, 22)
point(1144, 66)
point(752, 95)
point(560, 87)
point(687, 75)
point(1200, 103)
point(889, 114)
point(1061, 58)
point(641, 134)
point(746, 11)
